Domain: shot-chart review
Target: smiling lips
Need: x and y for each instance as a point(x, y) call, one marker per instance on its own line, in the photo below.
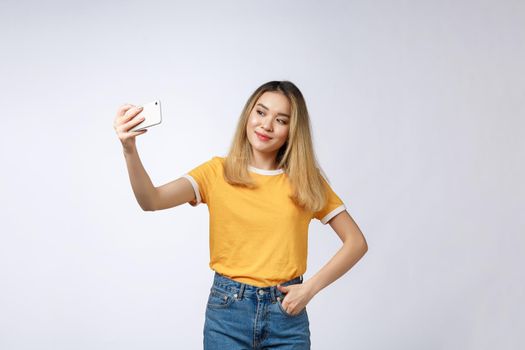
point(262, 137)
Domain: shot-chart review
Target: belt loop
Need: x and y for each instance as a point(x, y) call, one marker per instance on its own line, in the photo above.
point(241, 291)
point(273, 293)
point(301, 278)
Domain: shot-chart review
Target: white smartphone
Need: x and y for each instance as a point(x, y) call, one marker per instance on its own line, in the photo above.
point(152, 116)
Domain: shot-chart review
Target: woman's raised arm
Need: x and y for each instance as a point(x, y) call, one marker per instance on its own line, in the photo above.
point(149, 197)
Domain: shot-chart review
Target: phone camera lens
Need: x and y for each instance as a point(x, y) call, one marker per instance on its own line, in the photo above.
point(156, 103)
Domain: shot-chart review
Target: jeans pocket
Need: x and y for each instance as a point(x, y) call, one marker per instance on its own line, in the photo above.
point(219, 298)
point(284, 312)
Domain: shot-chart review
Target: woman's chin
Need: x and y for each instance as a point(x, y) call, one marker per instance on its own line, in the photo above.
point(263, 148)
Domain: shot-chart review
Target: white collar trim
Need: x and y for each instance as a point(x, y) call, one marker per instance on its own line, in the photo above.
point(264, 171)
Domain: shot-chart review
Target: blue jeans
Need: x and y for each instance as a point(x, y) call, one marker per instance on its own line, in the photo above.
point(243, 316)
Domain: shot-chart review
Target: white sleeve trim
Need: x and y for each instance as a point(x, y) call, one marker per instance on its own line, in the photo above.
point(195, 186)
point(333, 213)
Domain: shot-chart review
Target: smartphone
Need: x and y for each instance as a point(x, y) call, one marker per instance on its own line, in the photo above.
point(152, 116)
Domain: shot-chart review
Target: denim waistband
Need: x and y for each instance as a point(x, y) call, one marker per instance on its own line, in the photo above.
point(239, 289)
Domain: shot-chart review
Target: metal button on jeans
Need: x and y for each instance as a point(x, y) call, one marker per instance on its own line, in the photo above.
point(261, 292)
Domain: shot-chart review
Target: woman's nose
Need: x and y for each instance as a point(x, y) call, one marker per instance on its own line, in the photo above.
point(267, 124)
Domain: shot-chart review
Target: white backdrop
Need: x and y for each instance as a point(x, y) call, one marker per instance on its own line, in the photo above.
point(418, 120)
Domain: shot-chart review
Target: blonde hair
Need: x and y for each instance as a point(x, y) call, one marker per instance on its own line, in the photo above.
point(296, 157)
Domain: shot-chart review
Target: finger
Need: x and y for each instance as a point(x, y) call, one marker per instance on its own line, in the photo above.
point(134, 121)
point(287, 310)
point(130, 113)
point(136, 133)
point(285, 306)
point(124, 108)
point(126, 127)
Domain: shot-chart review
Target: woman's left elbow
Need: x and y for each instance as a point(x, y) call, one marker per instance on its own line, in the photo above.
point(364, 246)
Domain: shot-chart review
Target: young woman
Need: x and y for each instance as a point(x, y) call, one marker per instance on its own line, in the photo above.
point(261, 198)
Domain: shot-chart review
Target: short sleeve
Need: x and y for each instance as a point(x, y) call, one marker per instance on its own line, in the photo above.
point(334, 205)
point(202, 178)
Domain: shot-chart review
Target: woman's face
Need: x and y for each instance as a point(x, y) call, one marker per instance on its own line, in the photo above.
point(269, 117)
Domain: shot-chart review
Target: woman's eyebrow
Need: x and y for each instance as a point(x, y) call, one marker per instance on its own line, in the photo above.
point(283, 114)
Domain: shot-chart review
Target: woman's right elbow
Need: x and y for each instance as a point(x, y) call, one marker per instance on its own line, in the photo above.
point(147, 207)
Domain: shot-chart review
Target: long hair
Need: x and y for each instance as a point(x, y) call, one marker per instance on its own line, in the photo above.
point(296, 156)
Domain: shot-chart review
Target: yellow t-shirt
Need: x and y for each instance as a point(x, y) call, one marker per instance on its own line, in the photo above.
point(257, 236)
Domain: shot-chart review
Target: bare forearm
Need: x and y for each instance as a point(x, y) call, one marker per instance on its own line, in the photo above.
point(346, 257)
point(141, 184)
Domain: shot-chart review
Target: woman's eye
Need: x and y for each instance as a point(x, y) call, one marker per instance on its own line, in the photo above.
point(261, 113)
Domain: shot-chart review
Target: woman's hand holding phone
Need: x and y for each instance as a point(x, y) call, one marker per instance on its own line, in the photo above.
point(128, 117)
